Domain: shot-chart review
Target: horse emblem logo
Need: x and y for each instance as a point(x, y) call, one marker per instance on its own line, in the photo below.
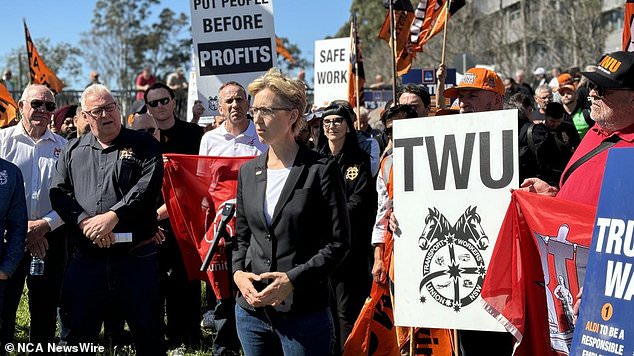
point(453, 268)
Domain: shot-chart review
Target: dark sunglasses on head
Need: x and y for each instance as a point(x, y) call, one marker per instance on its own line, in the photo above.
point(163, 101)
point(48, 105)
point(150, 130)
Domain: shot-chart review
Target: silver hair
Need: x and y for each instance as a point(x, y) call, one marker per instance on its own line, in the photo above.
point(93, 90)
point(27, 91)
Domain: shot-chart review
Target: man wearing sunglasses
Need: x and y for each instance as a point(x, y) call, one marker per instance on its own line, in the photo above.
point(612, 104)
point(32, 147)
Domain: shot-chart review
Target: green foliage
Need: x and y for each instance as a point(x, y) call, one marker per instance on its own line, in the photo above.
point(125, 37)
point(300, 63)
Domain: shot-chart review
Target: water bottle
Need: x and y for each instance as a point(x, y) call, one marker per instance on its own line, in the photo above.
point(37, 266)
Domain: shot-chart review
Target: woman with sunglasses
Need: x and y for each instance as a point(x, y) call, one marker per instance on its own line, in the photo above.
point(352, 279)
point(292, 230)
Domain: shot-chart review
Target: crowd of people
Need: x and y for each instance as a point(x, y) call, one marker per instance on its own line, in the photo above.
point(314, 208)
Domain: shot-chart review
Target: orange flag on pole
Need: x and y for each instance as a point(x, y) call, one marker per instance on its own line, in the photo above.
point(356, 73)
point(628, 45)
point(283, 51)
point(404, 53)
point(40, 73)
point(8, 108)
point(430, 19)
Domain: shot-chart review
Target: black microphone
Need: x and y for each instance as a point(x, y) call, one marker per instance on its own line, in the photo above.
point(227, 213)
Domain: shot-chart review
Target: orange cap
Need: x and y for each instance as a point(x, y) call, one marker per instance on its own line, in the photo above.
point(477, 79)
point(566, 81)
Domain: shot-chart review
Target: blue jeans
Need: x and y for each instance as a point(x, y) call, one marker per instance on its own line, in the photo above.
point(128, 282)
point(266, 332)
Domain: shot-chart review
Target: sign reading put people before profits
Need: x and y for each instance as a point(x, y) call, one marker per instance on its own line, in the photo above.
point(452, 176)
point(332, 58)
point(234, 40)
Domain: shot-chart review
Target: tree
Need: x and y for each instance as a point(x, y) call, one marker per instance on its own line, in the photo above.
point(62, 58)
point(286, 66)
point(122, 40)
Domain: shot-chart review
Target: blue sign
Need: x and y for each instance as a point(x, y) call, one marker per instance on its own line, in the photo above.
point(605, 325)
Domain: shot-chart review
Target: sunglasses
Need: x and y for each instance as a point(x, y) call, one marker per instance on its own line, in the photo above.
point(163, 101)
point(48, 105)
point(150, 130)
point(600, 90)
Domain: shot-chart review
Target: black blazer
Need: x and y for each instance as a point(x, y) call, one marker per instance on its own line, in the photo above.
point(309, 232)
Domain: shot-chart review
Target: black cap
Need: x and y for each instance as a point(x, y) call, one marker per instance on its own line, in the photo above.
point(614, 70)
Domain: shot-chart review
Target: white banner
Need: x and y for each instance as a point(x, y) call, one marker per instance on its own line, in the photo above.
point(234, 40)
point(452, 176)
point(332, 59)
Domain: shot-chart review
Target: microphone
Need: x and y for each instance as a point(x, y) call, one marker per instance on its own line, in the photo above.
point(227, 213)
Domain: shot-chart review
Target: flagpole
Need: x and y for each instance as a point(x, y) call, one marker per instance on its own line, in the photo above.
point(440, 98)
point(393, 41)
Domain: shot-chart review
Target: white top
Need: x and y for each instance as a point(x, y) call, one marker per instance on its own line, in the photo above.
point(220, 142)
point(275, 180)
point(384, 208)
point(36, 160)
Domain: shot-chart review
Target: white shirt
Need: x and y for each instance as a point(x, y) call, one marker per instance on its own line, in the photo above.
point(275, 180)
point(384, 208)
point(36, 160)
point(221, 143)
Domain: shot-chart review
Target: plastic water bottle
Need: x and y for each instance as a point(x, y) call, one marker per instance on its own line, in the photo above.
point(37, 266)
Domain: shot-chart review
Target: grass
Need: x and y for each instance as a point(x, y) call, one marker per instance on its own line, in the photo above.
point(23, 320)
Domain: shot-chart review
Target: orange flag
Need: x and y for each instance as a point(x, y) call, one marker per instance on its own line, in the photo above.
point(628, 45)
point(40, 73)
point(283, 51)
point(356, 73)
point(8, 108)
point(430, 19)
point(404, 53)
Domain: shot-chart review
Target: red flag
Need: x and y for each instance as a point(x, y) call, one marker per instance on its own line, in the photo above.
point(356, 74)
point(536, 269)
point(628, 25)
point(195, 189)
point(431, 16)
point(8, 107)
point(40, 73)
point(402, 23)
point(283, 51)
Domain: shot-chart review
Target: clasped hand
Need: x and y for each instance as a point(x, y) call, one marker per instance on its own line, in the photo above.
point(279, 288)
point(99, 228)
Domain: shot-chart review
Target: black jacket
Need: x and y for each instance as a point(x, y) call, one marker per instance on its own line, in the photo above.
point(309, 232)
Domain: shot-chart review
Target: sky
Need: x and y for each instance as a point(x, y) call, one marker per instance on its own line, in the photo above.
point(301, 21)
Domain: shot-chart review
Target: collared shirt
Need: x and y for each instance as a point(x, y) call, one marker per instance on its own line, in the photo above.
point(125, 177)
point(220, 142)
point(36, 160)
point(584, 183)
point(13, 220)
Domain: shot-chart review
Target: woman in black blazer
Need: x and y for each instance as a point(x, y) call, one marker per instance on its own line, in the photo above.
point(352, 279)
point(292, 230)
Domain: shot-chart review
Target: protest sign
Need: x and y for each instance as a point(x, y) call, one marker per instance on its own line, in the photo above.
point(234, 40)
point(605, 326)
point(452, 177)
point(332, 59)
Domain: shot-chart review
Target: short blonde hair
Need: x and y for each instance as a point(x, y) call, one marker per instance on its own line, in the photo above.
point(292, 92)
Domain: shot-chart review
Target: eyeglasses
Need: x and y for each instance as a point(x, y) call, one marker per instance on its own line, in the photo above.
point(163, 101)
point(266, 112)
point(48, 105)
point(549, 98)
point(600, 90)
point(97, 112)
point(150, 130)
point(333, 122)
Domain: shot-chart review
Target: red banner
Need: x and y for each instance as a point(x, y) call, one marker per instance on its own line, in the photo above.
point(196, 189)
point(404, 54)
point(536, 270)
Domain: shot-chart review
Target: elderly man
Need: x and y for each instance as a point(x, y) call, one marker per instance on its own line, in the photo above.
point(106, 185)
point(612, 97)
point(32, 147)
point(543, 96)
point(235, 137)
